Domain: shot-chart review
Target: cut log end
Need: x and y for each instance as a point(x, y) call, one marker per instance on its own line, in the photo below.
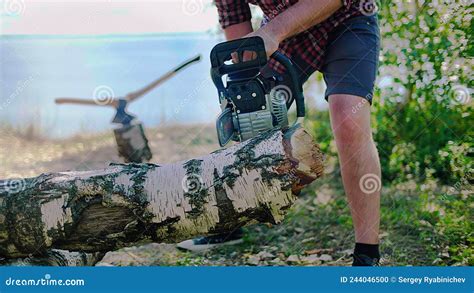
point(306, 157)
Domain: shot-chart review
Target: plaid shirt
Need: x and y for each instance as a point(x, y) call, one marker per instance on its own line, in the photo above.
point(308, 45)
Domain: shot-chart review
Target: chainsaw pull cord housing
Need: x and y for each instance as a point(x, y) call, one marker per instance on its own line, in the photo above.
point(297, 86)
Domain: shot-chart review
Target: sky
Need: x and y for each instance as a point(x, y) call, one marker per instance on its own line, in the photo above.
point(103, 17)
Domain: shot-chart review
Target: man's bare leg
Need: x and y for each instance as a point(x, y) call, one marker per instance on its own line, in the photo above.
point(360, 164)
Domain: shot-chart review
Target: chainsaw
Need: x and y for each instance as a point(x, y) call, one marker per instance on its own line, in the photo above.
point(252, 102)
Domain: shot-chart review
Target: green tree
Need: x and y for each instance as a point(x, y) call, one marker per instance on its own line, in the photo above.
point(423, 114)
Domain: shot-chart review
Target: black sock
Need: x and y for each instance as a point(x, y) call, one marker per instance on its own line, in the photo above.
point(371, 250)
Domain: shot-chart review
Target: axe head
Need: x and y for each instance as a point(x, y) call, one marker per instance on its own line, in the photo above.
point(121, 116)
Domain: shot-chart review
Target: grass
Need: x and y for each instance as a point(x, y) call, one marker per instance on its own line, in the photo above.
point(419, 227)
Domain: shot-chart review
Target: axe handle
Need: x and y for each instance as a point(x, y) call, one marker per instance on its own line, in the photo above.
point(112, 103)
point(187, 62)
point(137, 94)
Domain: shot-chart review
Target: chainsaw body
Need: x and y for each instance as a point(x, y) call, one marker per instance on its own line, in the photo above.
point(252, 103)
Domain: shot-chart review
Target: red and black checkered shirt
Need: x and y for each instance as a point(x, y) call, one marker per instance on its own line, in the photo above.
point(309, 45)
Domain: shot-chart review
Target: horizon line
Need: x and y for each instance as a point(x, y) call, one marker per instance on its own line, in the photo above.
point(104, 36)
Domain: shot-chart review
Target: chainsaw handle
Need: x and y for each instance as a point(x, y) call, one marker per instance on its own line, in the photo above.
point(222, 52)
point(297, 86)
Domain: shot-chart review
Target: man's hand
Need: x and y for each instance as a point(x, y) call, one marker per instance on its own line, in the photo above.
point(271, 40)
point(244, 30)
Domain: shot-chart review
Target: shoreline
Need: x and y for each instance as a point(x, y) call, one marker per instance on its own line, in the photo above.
point(21, 156)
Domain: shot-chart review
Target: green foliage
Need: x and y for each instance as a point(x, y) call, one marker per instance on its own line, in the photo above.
point(455, 159)
point(422, 114)
point(423, 124)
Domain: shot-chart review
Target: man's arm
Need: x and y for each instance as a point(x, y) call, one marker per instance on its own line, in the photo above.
point(234, 17)
point(297, 18)
point(238, 31)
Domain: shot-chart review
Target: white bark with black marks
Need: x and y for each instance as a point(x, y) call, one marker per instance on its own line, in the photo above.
point(56, 257)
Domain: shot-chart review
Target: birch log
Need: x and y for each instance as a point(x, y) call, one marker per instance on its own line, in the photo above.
point(56, 257)
point(102, 210)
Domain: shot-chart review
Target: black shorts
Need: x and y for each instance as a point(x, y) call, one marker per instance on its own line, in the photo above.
point(351, 58)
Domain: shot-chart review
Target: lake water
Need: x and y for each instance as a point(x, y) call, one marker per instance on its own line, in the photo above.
point(35, 70)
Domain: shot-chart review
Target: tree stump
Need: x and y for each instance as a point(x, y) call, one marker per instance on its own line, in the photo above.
point(132, 143)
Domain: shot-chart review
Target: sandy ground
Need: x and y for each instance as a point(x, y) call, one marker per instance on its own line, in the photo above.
point(27, 157)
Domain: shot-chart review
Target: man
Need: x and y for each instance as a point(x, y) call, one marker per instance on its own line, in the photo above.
point(341, 40)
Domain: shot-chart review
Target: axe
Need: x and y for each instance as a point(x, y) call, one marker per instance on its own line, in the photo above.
point(131, 140)
point(120, 104)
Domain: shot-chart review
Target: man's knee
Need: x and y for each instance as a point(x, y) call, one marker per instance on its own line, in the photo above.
point(350, 118)
point(347, 132)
